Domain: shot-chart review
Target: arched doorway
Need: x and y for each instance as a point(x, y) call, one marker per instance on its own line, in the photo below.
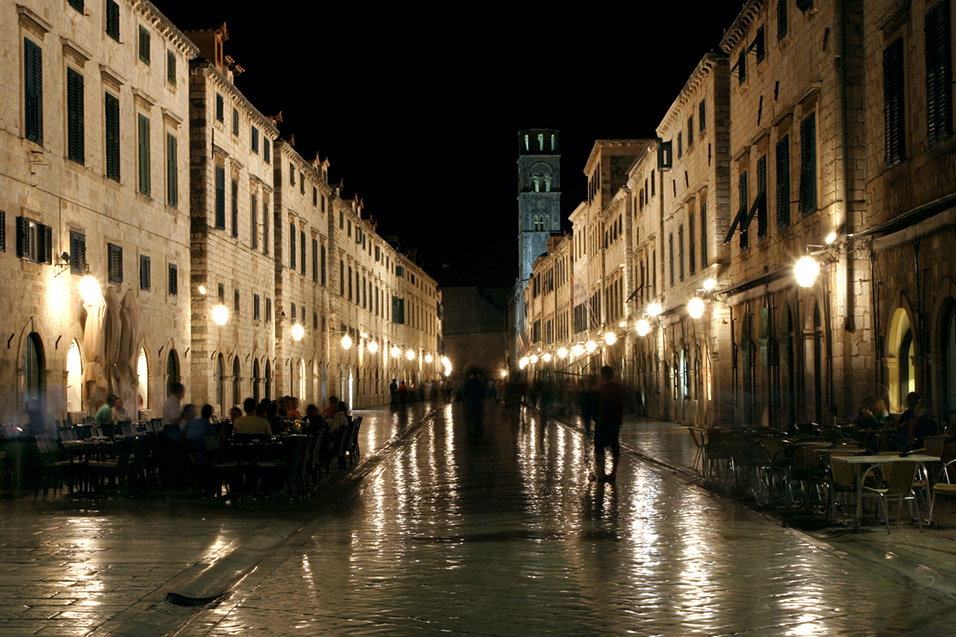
point(34, 370)
point(172, 369)
point(268, 381)
point(900, 356)
point(949, 364)
point(220, 394)
point(255, 380)
point(236, 389)
point(142, 378)
point(74, 378)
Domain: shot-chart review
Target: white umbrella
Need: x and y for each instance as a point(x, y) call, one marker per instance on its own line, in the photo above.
point(125, 363)
point(94, 374)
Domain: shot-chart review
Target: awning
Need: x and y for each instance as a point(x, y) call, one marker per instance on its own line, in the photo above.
point(911, 217)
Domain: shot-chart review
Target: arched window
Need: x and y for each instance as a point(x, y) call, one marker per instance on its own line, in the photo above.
point(268, 381)
point(142, 378)
point(949, 348)
point(74, 378)
point(255, 380)
point(220, 373)
point(172, 369)
point(899, 359)
point(540, 141)
point(34, 370)
point(236, 391)
point(302, 380)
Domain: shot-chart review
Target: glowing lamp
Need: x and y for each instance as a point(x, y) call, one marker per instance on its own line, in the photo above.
point(202, 289)
point(429, 358)
point(220, 314)
point(590, 346)
point(546, 358)
point(410, 355)
point(806, 271)
point(622, 324)
point(90, 290)
point(563, 352)
point(297, 332)
point(830, 238)
point(610, 338)
point(654, 309)
point(523, 362)
point(533, 359)
point(710, 283)
point(643, 327)
point(396, 352)
point(695, 307)
point(346, 341)
point(373, 347)
point(577, 350)
point(504, 373)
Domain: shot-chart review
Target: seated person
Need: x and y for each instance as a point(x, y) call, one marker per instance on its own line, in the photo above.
point(276, 424)
point(196, 429)
point(251, 424)
point(864, 418)
point(104, 415)
point(314, 423)
point(120, 414)
point(904, 421)
point(338, 428)
point(922, 424)
point(329, 412)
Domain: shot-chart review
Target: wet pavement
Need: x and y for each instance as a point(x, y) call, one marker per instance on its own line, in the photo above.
point(503, 534)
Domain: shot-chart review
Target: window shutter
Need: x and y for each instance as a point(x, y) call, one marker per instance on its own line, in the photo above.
point(77, 252)
point(111, 104)
point(292, 246)
point(220, 198)
point(938, 66)
point(74, 116)
point(315, 260)
point(254, 222)
point(265, 225)
point(143, 134)
point(3, 231)
point(893, 116)
point(144, 45)
point(302, 252)
point(23, 237)
point(235, 121)
point(173, 280)
point(762, 195)
point(144, 272)
point(783, 183)
point(45, 248)
point(235, 208)
point(115, 263)
point(742, 199)
point(219, 107)
point(172, 171)
point(692, 244)
point(680, 251)
point(322, 257)
point(808, 165)
point(112, 19)
point(33, 91)
point(171, 67)
point(266, 150)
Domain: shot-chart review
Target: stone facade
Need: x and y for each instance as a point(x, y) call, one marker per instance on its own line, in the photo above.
point(129, 155)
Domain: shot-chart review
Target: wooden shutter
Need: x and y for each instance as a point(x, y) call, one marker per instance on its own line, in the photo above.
point(144, 45)
point(742, 198)
point(220, 198)
point(219, 107)
point(172, 171)
point(703, 235)
point(292, 245)
point(808, 165)
point(171, 67)
point(691, 243)
point(762, 197)
point(145, 276)
point(781, 18)
point(143, 135)
point(893, 115)
point(254, 221)
point(112, 19)
point(115, 263)
point(23, 237)
point(302, 252)
point(33, 91)
point(315, 260)
point(783, 183)
point(111, 106)
point(173, 280)
point(235, 208)
point(77, 252)
point(322, 257)
point(680, 253)
point(265, 224)
point(74, 116)
point(938, 65)
point(45, 247)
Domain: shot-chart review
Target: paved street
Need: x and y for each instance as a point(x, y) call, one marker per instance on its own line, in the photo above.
point(504, 535)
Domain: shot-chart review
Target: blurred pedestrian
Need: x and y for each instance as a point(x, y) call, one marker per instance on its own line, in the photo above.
point(607, 429)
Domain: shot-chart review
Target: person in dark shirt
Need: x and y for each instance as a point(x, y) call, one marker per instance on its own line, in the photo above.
point(196, 430)
point(607, 429)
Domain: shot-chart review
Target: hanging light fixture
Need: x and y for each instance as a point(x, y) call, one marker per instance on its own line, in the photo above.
point(590, 346)
point(396, 352)
point(695, 307)
point(372, 347)
point(643, 327)
point(563, 352)
point(297, 332)
point(577, 350)
point(806, 271)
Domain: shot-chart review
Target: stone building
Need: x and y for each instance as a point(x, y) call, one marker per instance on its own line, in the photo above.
point(679, 195)
point(795, 145)
point(233, 241)
point(475, 328)
point(910, 176)
point(93, 180)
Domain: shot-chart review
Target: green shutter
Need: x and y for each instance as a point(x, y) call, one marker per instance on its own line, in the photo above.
point(171, 67)
point(894, 122)
point(33, 91)
point(220, 198)
point(292, 245)
point(762, 196)
point(172, 171)
point(144, 45)
point(692, 244)
point(235, 208)
point(781, 18)
point(808, 165)
point(143, 136)
point(783, 183)
point(219, 107)
point(112, 19)
point(74, 116)
point(939, 122)
point(144, 272)
point(112, 137)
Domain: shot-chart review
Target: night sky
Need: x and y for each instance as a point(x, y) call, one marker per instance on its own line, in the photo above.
point(418, 110)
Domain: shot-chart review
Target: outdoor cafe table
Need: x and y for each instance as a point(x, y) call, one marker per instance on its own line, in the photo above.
point(859, 462)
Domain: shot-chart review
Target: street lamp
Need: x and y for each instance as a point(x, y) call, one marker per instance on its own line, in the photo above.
point(709, 284)
point(695, 307)
point(429, 358)
point(372, 347)
point(590, 346)
point(396, 352)
point(830, 238)
point(546, 358)
point(297, 332)
point(410, 355)
point(346, 341)
point(643, 327)
point(577, 350)
point(523, 362)
point(534, 359)
point(220, 314)
point(654, 309)
point(806, 271)
point(563, 352)
point(610, 338)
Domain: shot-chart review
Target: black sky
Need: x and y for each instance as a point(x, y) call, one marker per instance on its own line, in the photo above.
point(418, 109)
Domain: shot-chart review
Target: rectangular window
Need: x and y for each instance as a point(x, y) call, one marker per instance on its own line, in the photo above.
point(77, 4)
point(235, 208)
point(322, 257)
point(144, 45)
point(112, 109)
point(266, 149)
point(235, 301)
point(221, 292)
point(701, 117)
point(142, 133)
point(220, 198)
point(235, 121)
point(781, 18)
point(671, 246)
point(302, 252)
point(145, 274)
point(75, 132)
point(255, 139)
point(173, 280)
point(112, 19)
point(255, 307)
point(761, 202)
point(315, 260)
point(808, 165)
point(254, 222)
point(398, 310)
point(341, 278)
point(292, 246)
point(220, 108)
point(399, 270)
point(33, 91)
point(77, 252)
point(172, 170)
point(34, 241)
point(783, 183)
point(742, 67)
point(691, 240)
point(893, 105)
point(939, 95)
point(114, 263)
point(265, 224)
point(315, 196)
point(171, 67)
point(268, 310)
point(759, 45)
point(350, 282)
point(680, 252)
point(291, 174)
point(680, 145)
point(301, 183)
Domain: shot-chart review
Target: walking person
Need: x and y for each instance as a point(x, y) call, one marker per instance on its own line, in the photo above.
point(607, 429)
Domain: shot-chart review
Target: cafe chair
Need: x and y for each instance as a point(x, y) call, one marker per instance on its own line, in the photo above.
point(699, 436)
point(944, 486)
